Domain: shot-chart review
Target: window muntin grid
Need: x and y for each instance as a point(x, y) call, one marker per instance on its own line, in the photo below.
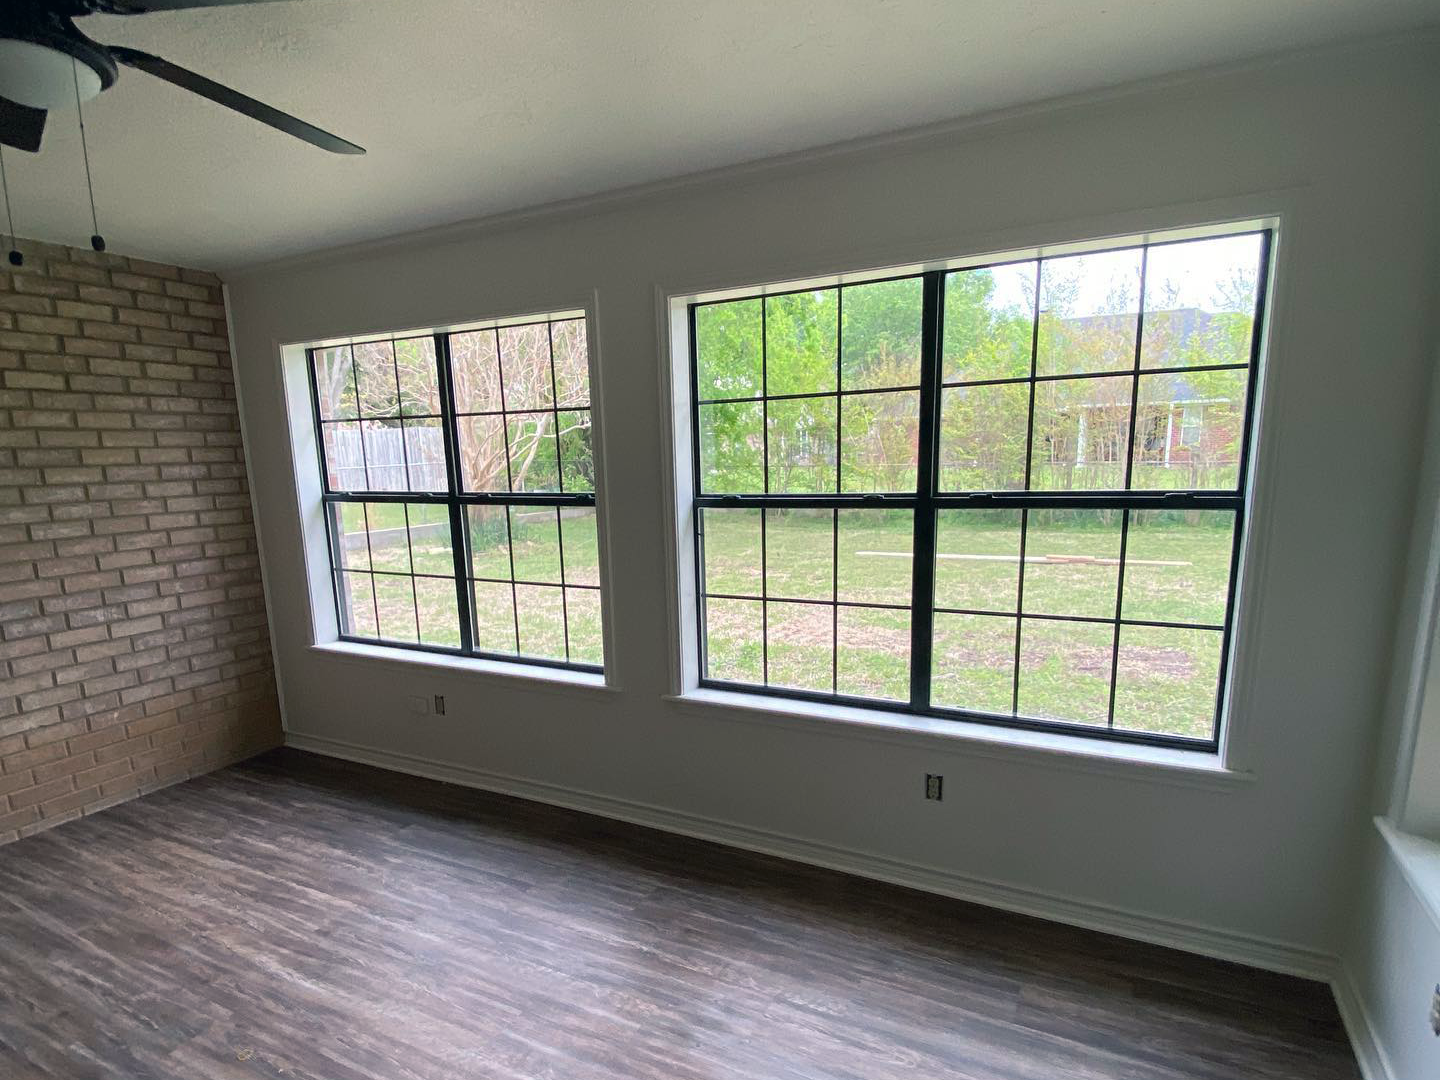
point(411, 520)
point(1031, 413)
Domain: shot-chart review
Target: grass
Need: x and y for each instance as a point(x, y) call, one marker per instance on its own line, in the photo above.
point(550, 614)
point(1177, 571)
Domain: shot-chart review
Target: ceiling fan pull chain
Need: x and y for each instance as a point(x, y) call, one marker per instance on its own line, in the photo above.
point(96, 240)
point(16, 259)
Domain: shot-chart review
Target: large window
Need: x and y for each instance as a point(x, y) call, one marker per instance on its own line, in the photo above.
point(1011, 492)
point(460, 491)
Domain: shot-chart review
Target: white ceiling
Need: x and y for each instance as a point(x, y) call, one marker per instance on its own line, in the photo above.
point(473, 108)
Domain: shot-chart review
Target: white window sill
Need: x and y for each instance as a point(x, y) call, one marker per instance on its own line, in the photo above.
point(1419, 861)
point(1188, 768)
point(496, 671)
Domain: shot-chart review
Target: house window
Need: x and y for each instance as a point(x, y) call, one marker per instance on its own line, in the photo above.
point(925, 492)
point(459, 489)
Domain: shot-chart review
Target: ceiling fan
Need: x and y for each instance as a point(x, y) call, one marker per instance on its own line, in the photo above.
point(46, 62)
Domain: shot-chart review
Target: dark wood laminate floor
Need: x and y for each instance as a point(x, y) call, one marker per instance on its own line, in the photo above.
point(303, 918)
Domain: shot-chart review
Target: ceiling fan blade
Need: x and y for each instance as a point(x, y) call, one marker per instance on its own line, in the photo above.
point(144, 7)
point(233, 99)
point(20, 125)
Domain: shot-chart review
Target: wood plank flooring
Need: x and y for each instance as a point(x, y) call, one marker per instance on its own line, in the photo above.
point(303, 918)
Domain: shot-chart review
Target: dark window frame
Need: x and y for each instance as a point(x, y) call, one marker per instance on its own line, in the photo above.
point(928, 500)
point(455, 499)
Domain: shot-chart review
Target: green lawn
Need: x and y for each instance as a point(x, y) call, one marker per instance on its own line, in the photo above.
point(545, 610)
point(1177, 571)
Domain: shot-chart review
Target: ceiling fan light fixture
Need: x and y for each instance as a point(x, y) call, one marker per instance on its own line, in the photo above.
point(43, 77)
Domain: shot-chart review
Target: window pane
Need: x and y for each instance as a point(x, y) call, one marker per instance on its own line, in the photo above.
point(977, 559)
point(572, 363)
point(727, 350)
point(389, 542)
point(1088, 312)
point(335, 383)
point(801, 645)
point(731, 448)
point(535, 538)
point(419, 379)
point(973, 663)
point(734, 637)
point(1200, 302)
point(386, 432)
point(425, 456)
point(874, 548)
point(344, 457)
point(989, 320)
point(1065, 670)
point(982, 437)
point(533, 462)
point(384, 455)
point(525, 366)
point(375, 374)
point(430, 547)
point(482, 453)
point(1177, 565)
point(799, 546)
point(880, 335)
point(582, 610)
point(802, 445)
point(880, 440)
point(872, 657)
point(1100, 373)
point(541, 610)
point(732, 551)
point(475, 371)
point(801, 331)
point(439, 612)
point(1190, 430)
point(1082, 427)
point(582, 548)
point(1167, 680)
point(357, 606)
point(1072, 562)
point(489, 542)
point(577, 458)
point(494, 612)
point(347, 520)
point(395, 597)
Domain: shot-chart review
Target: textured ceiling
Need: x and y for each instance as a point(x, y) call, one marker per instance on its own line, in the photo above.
point(474, 108)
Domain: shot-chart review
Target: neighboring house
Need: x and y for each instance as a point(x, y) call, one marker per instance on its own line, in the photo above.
point(1185, 419)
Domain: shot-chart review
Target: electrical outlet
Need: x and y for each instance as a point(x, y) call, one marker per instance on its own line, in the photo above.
point(934, 787)
point(439, 704)
point(418, 705)
point(1435, 1011)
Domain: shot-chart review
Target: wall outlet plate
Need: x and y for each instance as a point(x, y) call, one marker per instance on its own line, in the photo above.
point(1435, 1010)
point(934, 787)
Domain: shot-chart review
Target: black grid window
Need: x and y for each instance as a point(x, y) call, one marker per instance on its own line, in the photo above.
point(1011, 492)
point(460, 491)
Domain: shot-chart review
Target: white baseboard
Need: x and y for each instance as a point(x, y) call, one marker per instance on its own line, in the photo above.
point(1369, 1052)
point(1207, 941)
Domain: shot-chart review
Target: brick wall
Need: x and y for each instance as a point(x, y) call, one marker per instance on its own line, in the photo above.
point(133, 644)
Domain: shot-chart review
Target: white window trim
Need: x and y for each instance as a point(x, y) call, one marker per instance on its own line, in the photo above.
point(1234, 764)
point(564, 680)
point(324, 630)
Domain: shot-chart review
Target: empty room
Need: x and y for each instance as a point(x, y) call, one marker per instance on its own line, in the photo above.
point(749, 540)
